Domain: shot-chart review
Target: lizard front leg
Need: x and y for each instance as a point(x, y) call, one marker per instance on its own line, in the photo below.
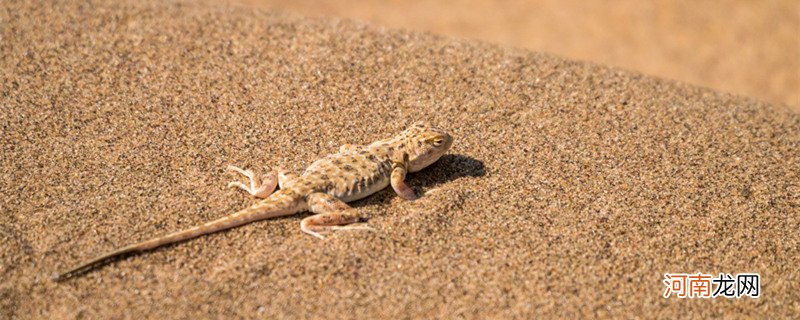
point(260, 186)
point(398, 181)
point(331, 214)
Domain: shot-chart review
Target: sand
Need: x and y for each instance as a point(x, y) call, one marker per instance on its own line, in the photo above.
point(744, 47)
point(570, 190)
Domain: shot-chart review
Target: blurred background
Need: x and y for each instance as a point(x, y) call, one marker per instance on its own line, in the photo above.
point(749, 48)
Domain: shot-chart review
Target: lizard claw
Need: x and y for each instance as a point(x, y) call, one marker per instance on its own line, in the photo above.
point(237, 184)
point(321, 237)
point(408, 194)
point(353, 227)
point(246, 173)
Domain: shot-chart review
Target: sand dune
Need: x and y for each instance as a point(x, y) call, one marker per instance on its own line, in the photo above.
point(570, 190)
point(750, 48)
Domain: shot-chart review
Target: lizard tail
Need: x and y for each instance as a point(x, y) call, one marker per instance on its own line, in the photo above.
point(277, 205)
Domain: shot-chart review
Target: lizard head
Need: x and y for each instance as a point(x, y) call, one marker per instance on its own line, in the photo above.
point(424, 144)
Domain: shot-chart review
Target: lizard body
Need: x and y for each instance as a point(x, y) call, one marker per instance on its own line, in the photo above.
point(324, 188)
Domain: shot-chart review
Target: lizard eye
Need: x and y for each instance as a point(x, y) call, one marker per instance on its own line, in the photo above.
point(437, 141)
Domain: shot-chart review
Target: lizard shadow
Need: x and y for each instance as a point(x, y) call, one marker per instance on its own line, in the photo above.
point(449, 167)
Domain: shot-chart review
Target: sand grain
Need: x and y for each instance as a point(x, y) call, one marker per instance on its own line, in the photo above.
point(570, 190)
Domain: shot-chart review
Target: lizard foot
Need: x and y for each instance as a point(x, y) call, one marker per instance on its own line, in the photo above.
point(321, 232)
point(260, 186)
point(331, 214)
point(352, 227)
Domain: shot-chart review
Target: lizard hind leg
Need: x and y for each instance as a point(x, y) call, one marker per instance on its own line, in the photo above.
point(260, 186)
point(285, 178)
point(331, 215)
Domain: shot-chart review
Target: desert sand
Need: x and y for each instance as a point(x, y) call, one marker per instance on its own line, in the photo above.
point(570, 190)
point(750, 48)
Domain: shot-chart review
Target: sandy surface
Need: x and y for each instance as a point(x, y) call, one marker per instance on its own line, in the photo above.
point(750, 48)
point(571, 188)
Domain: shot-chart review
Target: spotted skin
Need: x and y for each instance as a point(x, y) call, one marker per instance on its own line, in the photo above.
point(324, 188)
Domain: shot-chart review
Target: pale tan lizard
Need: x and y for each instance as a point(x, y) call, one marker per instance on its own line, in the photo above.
point(324, 188)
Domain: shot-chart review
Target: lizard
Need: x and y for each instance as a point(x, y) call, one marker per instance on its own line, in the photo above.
point(324, 189)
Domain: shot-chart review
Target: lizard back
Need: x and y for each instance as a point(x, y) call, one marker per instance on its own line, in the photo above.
point(349, 176)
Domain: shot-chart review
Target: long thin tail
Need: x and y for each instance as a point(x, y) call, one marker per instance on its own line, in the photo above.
point(277, 205)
